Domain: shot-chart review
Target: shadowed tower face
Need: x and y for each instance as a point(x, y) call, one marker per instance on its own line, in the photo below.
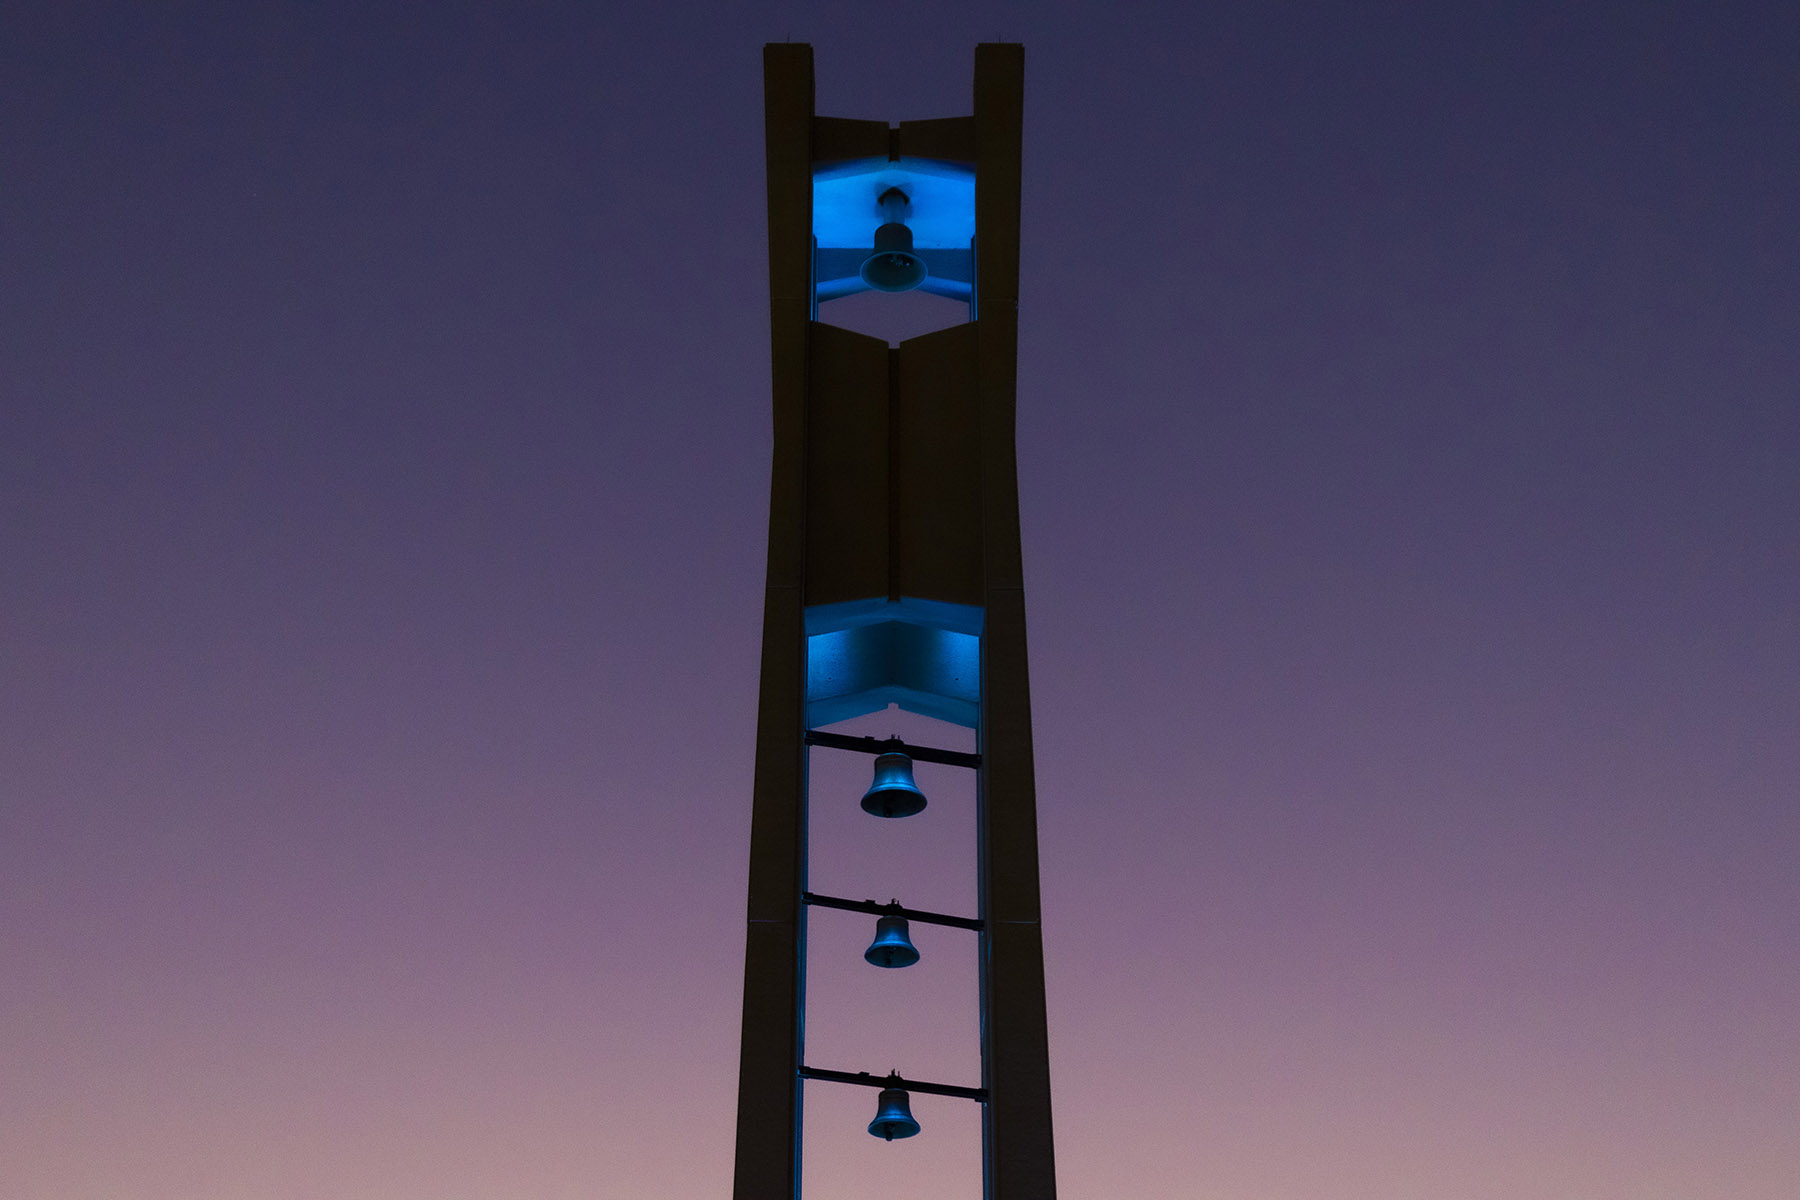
point(894, 579)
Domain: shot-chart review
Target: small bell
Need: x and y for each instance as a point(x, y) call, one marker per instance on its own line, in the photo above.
point(893, 266)
point(893, 794)
point(893, 1114)
point(891, 947)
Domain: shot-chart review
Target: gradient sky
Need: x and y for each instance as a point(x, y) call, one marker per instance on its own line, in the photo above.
point(1409, 439)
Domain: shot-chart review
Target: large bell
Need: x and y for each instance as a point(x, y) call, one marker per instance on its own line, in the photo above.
point(893, 793)
point(893, 1115)
point(893, 267)
point(891, 947)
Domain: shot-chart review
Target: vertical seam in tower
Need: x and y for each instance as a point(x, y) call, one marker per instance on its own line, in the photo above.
point(893, 474)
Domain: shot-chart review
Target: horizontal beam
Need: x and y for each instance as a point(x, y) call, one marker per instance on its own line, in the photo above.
point(869, 745)
point(891, 910)
point(894, 1081)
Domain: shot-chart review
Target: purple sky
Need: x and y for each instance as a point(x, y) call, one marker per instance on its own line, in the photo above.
point(1409, 438)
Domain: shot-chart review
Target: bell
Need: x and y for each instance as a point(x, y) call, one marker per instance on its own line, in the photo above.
point(893, 267)
point(893, 793)
point(891, 947)
point(893, 1115)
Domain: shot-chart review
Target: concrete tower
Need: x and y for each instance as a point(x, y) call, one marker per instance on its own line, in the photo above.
point(894, 578)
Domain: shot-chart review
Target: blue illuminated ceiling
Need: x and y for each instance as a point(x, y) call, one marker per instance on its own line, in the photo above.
point(847, 209)
point(923, 655)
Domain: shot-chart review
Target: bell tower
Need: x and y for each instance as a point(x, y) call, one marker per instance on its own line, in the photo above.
point(894, 578)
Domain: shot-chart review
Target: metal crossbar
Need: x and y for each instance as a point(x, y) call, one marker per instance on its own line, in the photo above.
point(891, 910)
point(870, 745)
point(894, 1081)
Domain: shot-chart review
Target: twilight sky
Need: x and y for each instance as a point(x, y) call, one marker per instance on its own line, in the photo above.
point(1409, 436)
